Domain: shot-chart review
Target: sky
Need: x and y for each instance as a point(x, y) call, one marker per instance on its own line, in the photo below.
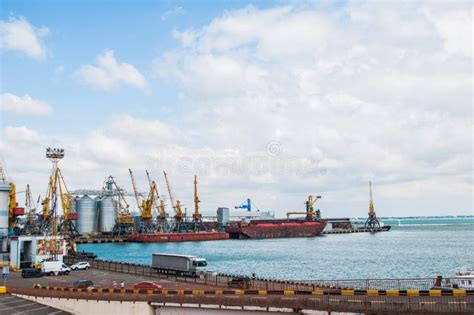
point(268, 100)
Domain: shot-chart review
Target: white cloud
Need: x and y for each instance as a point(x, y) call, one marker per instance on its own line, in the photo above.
point(18, 34)
point(23, 105)
point(21, 134)
point(110, 74)
point(374, 93)
point(370, 90)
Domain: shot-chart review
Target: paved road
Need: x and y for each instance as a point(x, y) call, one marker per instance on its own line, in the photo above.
point(98, 277)
point(10, 304)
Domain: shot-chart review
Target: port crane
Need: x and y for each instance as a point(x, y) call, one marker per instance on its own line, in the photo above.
point(180, 216)
point(161, 220)
point(145, 206)
point(247, 205)
point(372, 221)
point(57, 189)
point(197, 216)
point(123, 220)
point(310, 213)
point(31, 226)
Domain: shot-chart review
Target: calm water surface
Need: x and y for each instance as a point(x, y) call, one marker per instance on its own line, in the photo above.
point(404, 252)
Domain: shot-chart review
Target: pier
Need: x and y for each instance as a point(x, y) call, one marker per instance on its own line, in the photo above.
point(211, 293)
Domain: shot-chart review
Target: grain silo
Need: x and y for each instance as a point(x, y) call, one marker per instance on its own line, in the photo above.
point(86, 208)
point(107, 206)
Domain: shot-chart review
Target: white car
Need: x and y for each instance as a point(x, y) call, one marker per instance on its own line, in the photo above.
point(81, 265)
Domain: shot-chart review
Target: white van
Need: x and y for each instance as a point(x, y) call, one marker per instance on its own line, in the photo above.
point(54, 268)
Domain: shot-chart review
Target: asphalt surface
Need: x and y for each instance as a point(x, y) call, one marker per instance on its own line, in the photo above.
point(102, 278)
point(10, 304)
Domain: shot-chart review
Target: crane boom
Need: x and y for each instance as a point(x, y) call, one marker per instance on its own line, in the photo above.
point(177, 206)
point(122, 212)
point(169, 190)
point(160, 207)
point(135, 192)
point(371, 202)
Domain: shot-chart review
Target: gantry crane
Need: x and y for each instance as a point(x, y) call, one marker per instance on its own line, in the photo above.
point(372, 221)
point(161, 220)
point(310, 213)
point(145, 206)
point(180, 216)
point(123, 219)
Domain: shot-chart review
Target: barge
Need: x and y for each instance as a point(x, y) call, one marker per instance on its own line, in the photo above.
point(276, 228)
point(177, 237)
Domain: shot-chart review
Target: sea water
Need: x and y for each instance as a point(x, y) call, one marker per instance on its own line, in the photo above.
point(407, 251)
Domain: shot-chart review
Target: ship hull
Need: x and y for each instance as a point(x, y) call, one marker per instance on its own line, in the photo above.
point(276, 229)
point(177, 237)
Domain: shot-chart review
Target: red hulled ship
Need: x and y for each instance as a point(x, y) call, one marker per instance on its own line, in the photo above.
point(276, 228)
point(177, 237)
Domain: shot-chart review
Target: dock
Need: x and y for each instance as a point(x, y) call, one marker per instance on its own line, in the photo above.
point(355, 230)
point(96, 240)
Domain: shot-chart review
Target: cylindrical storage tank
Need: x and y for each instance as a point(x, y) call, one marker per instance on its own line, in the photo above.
point(4, 208)
point(107, 214)
point(86, 208)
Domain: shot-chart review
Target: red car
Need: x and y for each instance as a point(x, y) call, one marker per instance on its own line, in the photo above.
point(147, 285)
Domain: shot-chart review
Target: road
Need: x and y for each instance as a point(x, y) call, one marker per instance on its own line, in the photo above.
point(102, 278)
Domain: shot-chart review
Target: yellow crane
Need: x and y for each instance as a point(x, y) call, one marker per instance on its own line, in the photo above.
point(179, 214)
point(145, 206)
point(123, 220)
point(160, 206)
point(162, 222)
point(197, 216)
point(372, 220)
point(57, 189)
point(310, 213)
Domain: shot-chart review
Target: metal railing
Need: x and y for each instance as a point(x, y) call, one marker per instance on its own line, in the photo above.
point(222, 280)
point(358, 304)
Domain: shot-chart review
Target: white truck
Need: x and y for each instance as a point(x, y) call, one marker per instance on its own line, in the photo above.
point(54, 268)
point(182, 265)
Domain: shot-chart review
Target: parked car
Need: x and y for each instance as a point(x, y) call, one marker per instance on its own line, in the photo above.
point(31, 273)
point(81, 265)
point(147, 285)
point(82, 284)
point(239, 282)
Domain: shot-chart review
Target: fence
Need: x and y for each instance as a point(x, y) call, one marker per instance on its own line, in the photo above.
point(220, 280)
point(327, 301)
point(212, 279)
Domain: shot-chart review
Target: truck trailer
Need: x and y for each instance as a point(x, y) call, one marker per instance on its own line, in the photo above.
point(182, 265)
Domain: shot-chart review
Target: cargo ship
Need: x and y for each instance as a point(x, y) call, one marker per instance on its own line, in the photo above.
point(275, 228)
point(177, 237)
